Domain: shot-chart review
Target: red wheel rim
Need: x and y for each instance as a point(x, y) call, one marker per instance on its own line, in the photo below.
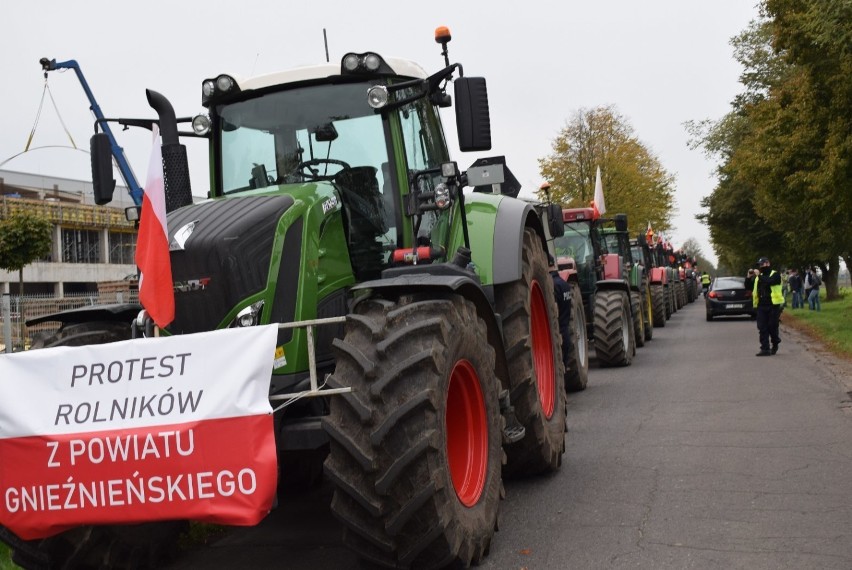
point(542, 349)
point(467, 433)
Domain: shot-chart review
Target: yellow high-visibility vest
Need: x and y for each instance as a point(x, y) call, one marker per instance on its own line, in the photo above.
point(777, 296)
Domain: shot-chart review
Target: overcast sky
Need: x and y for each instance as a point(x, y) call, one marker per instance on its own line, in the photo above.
point(659, 62)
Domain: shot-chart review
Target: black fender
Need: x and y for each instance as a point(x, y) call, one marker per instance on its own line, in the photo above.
point(610, 284)
point(467, 287)
point(513, 217)
point(115, 312)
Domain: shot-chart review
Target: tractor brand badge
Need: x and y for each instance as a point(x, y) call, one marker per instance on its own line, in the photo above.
point(329, 205)
point(180, 237)
point(192, 285)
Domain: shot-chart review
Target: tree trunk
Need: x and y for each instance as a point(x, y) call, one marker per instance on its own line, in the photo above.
point(829, 279)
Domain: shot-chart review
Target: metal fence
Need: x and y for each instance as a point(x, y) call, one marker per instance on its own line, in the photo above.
point(20, 336)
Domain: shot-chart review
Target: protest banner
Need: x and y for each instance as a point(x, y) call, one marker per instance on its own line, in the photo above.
point(141, 430)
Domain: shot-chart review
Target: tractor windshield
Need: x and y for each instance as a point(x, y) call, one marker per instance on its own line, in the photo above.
point(577, 243)
point(300, 135)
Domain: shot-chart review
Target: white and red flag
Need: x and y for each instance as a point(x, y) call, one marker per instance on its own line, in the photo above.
point(167, 428)
point(156, 289)
point(598, 204)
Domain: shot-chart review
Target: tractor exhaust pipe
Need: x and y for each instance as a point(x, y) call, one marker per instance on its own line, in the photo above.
point(175, 165)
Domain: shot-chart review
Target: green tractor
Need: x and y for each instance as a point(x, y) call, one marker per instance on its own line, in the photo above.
point(603, 284)
point(643, 264)
point(635, 274)
point(435, 370)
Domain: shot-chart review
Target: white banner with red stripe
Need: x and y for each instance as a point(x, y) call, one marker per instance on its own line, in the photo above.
point(140, 430)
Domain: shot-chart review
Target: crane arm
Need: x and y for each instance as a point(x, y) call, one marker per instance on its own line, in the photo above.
point(117, 152)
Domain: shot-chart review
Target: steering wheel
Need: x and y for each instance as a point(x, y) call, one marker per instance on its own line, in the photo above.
point(309, 169)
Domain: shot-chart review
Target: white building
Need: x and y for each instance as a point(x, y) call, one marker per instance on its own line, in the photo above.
point(91, 243)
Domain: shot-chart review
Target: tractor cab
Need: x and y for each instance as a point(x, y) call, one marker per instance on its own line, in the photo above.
point(582, 242)
point(364, 134)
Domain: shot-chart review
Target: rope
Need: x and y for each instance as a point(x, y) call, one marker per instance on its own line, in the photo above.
point(38, 116)
point(14, 156)
point(70, 138)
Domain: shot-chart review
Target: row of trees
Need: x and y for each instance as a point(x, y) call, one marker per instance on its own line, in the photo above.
point(635, 181)
point(633, 177)
point(785, 149)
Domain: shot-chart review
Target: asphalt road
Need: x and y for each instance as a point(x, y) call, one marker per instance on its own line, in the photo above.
point(699, 455)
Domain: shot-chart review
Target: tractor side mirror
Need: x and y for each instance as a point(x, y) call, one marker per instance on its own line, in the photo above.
point(554, 221)
point(102, 180)
point(621, 222)
point(473, 121)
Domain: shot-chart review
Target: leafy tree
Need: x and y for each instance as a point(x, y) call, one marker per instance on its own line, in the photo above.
point(786, 147)
point(692, 248)
point(24, 238)
point(634, 180)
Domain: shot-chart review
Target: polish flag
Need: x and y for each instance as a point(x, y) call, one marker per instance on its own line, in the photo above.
point(156, 290)
point(598, 204)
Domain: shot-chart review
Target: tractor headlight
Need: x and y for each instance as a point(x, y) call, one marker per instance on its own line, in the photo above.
point(368, 63)
point(442, 196)
point(377, 96)
point(224, 83)
point(249, 316)
point(201, 125)
point(208, 88)
point(372, 62)
point(214, 88)
point(350, 62)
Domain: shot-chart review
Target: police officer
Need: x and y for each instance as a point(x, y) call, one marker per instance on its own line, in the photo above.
point(563, 302)
point(768, 300)
point(705, 283)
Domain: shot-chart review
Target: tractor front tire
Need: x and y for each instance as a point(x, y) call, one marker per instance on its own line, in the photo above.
point(613, 329)
point(658, 305)
point(649, 314)
point(577, 375)
point(415, 450)
point(638, 318)
point(536, 371)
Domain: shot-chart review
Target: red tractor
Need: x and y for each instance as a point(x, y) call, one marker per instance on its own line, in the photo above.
point(600, 281)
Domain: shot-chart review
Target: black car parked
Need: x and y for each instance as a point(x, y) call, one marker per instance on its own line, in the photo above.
point(728, 296)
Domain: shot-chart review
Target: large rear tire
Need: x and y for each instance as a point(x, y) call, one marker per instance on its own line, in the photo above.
point(536, 370)
point(613, 329)
point(638, 318)
point(658, 305)
point(415, 449)
point(649, 314)
point(137, 546)
point(577, 375)
point(670, 304)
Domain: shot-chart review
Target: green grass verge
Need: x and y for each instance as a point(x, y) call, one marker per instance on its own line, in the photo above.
point(831, 324)
point(6, 558)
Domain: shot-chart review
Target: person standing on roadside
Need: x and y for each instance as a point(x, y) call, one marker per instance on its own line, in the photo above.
point(795, 284)
point(563, 303)
point(767, 298)
point(807, 284)
point(705, 283)
point(813, 294)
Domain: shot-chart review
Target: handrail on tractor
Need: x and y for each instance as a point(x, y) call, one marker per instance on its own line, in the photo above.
point(316, 389)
